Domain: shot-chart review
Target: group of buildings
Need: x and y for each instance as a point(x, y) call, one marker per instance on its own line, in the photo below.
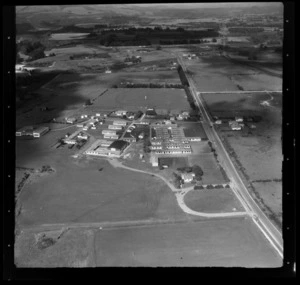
point(236, 125)
point(31, 131)
point(106, 148)
point(169, 139)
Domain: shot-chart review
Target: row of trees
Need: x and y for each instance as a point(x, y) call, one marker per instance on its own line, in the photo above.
point(150, 85)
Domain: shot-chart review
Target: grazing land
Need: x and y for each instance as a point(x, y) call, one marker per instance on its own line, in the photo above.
point(208, 243)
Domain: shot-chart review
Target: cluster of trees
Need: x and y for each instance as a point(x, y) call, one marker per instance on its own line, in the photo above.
point(114, 40)
point(246, 30)
point(183, 41)
point(150, 85)
point(34, 50)
point(182, 76)
point(46, 168)
point(196, 169)
point(177, 180)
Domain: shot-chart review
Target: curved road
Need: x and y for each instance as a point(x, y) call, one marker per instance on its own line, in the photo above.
point(179, 193)
point(273, 235)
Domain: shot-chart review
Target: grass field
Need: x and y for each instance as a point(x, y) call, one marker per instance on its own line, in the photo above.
point(237, 104)
point(73, 249)
point(229, 242)
point(212, 173)
point(135, 99)
point(78, 192)
point(173, 162)
point(213, 201)
point(193, 130)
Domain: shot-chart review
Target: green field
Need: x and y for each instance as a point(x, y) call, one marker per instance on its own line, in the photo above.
point(78, 192)
point(134, 98)
point(193, 130)
point(213, 201)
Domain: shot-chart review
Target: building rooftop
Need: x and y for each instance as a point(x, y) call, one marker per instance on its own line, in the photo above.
point(118, 144)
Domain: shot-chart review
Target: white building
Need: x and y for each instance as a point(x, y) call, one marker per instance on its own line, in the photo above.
point(187, 177)
point(109, 132)
point(37, 133)
point(119, 123)
point(115, 127)
point(239, 119)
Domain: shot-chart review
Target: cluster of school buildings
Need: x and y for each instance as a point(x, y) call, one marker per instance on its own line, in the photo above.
point(31, 131)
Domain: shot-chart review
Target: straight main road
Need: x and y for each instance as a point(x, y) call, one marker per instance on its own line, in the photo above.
point(273, 235)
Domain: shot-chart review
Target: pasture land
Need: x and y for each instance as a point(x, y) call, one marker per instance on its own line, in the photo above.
point(141, 98)
point(256, 152)
point(72, 249)
point(212, 173)
point(225, 242)
point(216, 73)
point(271, 195)
point(229, 242)
point(239, 104)
point(220, 200)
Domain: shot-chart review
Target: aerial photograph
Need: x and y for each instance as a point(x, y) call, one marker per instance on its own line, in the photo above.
point(149, 135)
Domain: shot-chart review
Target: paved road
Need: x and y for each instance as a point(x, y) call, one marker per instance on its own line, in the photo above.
point(260, 219)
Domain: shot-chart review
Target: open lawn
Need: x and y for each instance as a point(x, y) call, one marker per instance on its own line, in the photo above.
point(138, 98)
point(193, 130)
point(173, 162)
point(208, 163)
point(79, 192)
point(230, 242)
point(213, 201)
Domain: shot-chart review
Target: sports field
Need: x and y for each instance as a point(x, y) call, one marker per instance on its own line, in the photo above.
point(138, 98)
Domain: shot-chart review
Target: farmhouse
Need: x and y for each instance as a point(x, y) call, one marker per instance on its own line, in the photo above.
point(187, 177)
